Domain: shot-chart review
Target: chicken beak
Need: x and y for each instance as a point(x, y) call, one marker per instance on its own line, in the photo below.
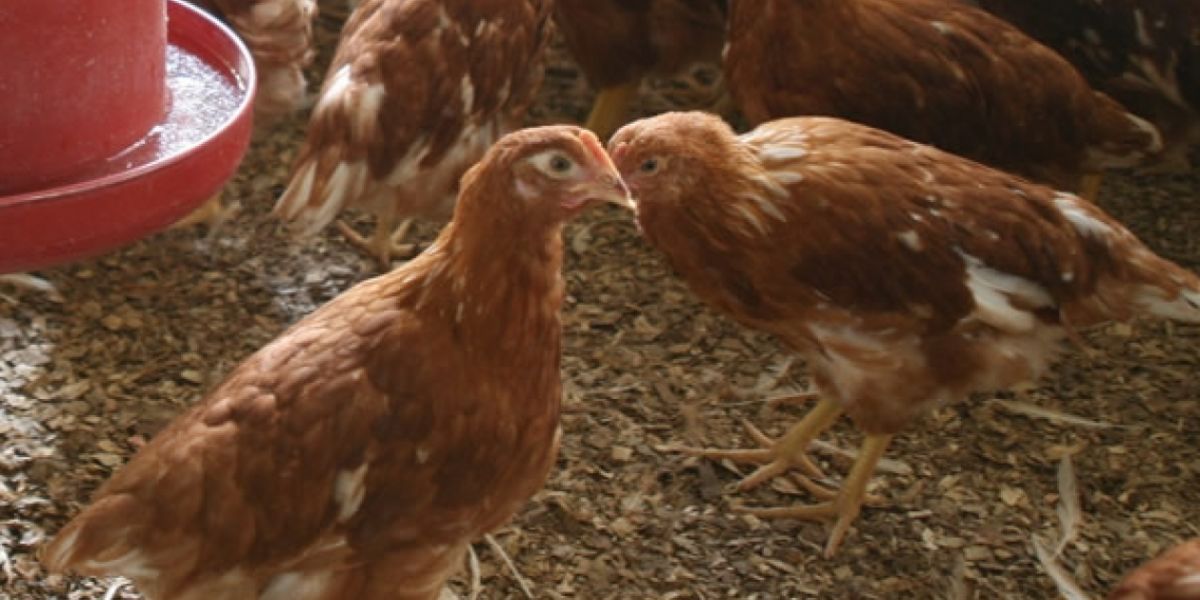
point(607, 184)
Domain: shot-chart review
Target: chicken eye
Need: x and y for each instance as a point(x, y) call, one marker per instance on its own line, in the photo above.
point(554, 164)
point(560, 163)
point(650, 165)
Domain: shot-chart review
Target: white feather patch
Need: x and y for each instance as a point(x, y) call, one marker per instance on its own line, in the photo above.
point(784, 152)
point(366, 112)
point(264, 13)
point(349, 489)
point(993, 290)
point(750, 217)
point(768, 208)
point(942, 27)
point(1071, 207)
point(131, 565)
point(911, 240)
point(467, 90)
point(1185, 307)
point(1188, 584)
point(336, 89)
point(297, 586)
point(297, 193)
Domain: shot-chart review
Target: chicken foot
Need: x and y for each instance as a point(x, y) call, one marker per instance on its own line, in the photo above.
point(384, 243)
point(780, 456)
point(848, 502)
point(610, 107)
point(212, 214)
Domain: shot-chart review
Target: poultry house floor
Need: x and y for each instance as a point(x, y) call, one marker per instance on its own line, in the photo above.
point(141, 333)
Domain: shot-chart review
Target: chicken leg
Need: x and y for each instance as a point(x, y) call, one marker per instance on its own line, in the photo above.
point(779, 457)
point(849, 500)
point(609, 109)
point(384, 242)
point(1089, 187)
point(212, 214)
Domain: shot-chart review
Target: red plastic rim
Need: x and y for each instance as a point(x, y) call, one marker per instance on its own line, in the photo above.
point(84, 218)
point(175, 10)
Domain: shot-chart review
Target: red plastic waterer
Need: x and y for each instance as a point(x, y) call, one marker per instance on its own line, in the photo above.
point(113, 165)
point(79, 81)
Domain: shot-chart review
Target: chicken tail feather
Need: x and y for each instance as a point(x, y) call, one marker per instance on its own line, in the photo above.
point(1124, 139)
point(332, 171)
point(312, 201)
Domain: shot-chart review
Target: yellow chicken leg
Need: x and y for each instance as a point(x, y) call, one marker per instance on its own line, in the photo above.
point(1089, 187)
point(848, 502)
point(779, 457)
point(212, 214)
point(609, 109)
point(384, 242)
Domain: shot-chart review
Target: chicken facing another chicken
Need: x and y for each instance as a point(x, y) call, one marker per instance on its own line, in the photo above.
point(905, 276)
point(358, 454)
point(1173, 575)
point(940, 72)
point(417, 91)
point(618, 42)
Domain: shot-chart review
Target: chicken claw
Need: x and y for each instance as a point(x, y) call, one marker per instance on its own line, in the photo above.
point(212, 214)
point(383, 244)
point(780, 456)
point(791, 451)
point(848, 501)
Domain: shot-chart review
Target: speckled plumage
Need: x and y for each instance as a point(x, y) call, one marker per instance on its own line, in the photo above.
point(356, 455)
point(1145, 53)
point(904, 275)
point(280, 37)
point(417, 91)
point(940, 72)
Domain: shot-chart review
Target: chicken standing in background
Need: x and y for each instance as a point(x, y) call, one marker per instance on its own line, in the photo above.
point(618, 42)
point(280, 37)
point(905, 276)
point(1173, 575)
point(416, 93)
point(1145, 53)
point(940, 72)
point(358, 454)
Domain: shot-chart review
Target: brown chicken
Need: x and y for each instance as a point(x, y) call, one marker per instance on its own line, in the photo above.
point(940, 72)
point(279, 36)
point(1145, 53)
point(906, 276)
point(618, 42)
point(358, 454)
point(1173, 575)
point(416, 93)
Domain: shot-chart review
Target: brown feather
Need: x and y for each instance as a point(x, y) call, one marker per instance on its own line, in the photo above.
point(620, 41)
point(362, 450)
point(1173, 575)
point(905, 275)
point(936, 71)
point(279, 36)
point(417, 91)
point(1145, 53)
